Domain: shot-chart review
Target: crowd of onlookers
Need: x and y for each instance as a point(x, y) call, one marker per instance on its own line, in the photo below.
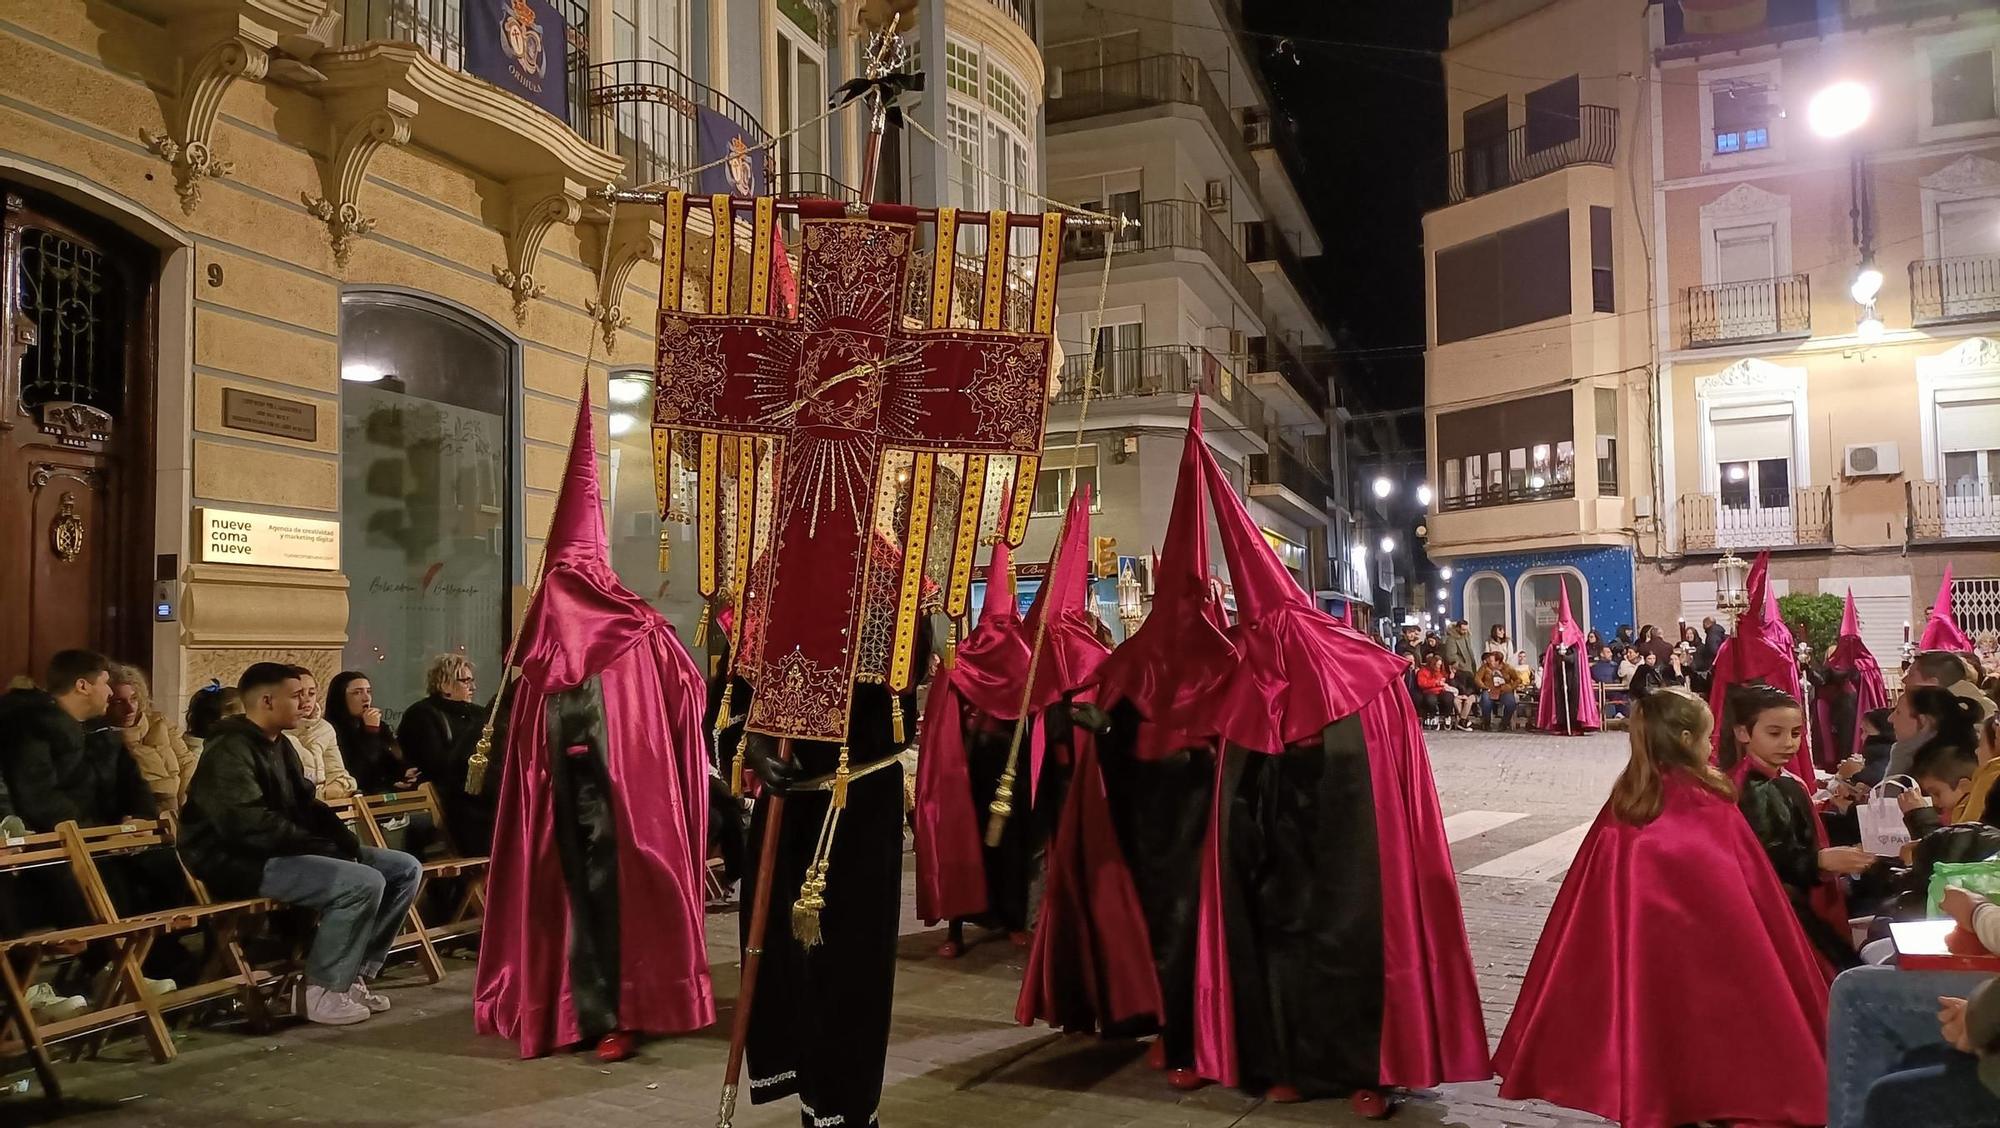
point(247, 774)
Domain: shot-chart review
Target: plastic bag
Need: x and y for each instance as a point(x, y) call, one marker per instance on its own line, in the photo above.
point(1974, 877)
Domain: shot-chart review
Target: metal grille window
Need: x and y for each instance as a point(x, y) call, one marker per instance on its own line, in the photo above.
point(74, 306)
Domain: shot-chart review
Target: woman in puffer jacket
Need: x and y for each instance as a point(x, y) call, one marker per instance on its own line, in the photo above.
point(319, 748)
point(148, 738)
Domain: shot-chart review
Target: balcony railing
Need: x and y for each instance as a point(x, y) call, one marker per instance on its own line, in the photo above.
point(1478, 169)
point(814, 185)
point(1770, 309)
point(1021, 12)
point(1156, 80)
point(1178, 223)
point(1513, 493)
point(648, 112)
point(1265, 241)
point(1164, 370)
point(1275, 354)
point(1967, 507)
point(1282, 467)
point(437, 28)
point(1955, 289)
point(1777, 518)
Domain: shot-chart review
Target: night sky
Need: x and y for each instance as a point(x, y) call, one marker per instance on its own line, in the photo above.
point(1372, 126)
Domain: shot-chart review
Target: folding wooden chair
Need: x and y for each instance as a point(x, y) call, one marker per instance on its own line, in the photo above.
point(226, 970)
point(120, 999)
point(468, 911)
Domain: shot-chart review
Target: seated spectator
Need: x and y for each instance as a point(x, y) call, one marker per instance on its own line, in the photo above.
point(252, 827)
point(1435, 698)
point(1646, 677)
point(432, 729)
point(1945, 670)
point(53, 771)
point(318, 747)
point(1628, 664)
point(1603, 669)
point(1496, 691)
point(1925, 717)
point(1524, 672)
point(208, 705)
point(1877, 738)
point(145, 735)
point(367, 746)
point(1944, 777)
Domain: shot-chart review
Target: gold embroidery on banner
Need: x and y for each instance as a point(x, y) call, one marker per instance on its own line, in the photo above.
point(942, 267)
point(1045, 272)
point(705, 486)
point(799, 697)
point(760, 255)
point(915, 541)
point(671, 249)
point(994, 304)
point(722, 254)
point(958, 592)
point(746, 525)
point(1024, 497)
point(691, 372)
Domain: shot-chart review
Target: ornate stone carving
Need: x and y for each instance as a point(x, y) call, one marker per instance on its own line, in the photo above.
point(635, 237)
point(538, 205)
point(1970, 174)
point(1751, 373)
point(1744, 199)
point(338, 205)
point(188, 143)
point(1974, 354)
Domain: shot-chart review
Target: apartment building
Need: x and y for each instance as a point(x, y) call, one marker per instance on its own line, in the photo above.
point(1160, 113)
point(281, 271)
point(1537, 266)
point(1779, 327)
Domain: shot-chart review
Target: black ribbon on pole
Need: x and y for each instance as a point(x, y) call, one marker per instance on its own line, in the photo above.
point(889, 87)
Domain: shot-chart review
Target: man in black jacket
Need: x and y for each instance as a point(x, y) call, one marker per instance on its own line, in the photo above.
point(252, 826)
point(53, 771)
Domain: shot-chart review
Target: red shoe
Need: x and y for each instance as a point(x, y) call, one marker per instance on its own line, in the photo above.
point(950, 950)
point(1283, 1094)
point(1373, 1104)
point(1186, 1080)
point(617, 1046)
point(1021, 939)
point(1156, 1055)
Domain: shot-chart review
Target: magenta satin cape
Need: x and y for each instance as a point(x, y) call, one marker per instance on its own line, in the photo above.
point(1548, 713)
point(1864, 680)
point(1760, 650)
point(1941, 630)
point(1298, 670)
point(988, 673)
point(1090, 963)
point(584, 623)
point(1623, 1013)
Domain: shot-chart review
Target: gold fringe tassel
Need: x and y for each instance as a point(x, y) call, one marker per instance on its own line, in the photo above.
point(475, 767)
point(896, 718)
point(666, 550)
point(840, 774)
point(700, 624)
point(1002, 807)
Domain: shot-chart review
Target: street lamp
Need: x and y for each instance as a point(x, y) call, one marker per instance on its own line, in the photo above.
point(1388, 545)
point(1423, 493)
point(1384, 487)
point(1732, 595)
point(1867, 283)
point(1444, 573)
point(1840, 109)
point(1131, 611)
point(1869, 329)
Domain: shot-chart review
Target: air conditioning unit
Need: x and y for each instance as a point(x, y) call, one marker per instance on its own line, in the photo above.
point(1216, 195)
point(1873, 460)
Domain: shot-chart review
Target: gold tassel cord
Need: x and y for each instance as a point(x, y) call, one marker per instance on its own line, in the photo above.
point(666, 548)
point(896, 718)
point(700, 623)
point(475, 768)
point(840, 778)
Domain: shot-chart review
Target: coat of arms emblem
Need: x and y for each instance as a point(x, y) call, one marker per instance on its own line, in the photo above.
point(521, 35)
point(741, 178)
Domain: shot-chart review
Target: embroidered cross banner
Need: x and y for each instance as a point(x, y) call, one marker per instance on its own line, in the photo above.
point(841, 460)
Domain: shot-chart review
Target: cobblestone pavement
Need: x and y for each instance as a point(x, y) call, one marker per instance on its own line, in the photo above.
point(956, 1058)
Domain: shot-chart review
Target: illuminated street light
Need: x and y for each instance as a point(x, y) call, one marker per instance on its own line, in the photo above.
point(1388, 544)
point(1358, 555)
point(1384, 487)
point(1423, 493)
point(1839, 109)
point(1444, 573)
point(1867, 283)
point(1870, 328)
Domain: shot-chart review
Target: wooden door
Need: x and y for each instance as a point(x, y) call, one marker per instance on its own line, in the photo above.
point(76, 431)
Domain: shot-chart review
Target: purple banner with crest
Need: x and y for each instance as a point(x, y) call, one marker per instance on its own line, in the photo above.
point(716, 137)
point(520, 46)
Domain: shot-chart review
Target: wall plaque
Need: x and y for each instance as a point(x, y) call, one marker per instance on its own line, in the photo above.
point(266, 539)
point(246, 410)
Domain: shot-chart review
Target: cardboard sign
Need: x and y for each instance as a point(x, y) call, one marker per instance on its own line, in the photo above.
point(266, 540)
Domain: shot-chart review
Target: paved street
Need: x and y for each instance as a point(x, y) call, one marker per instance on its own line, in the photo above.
point(1516, 806)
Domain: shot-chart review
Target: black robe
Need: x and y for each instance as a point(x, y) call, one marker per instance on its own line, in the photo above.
point(1568, 687)
point(1160, 809)
point(1781, 816)
point(586, 834)
point(1013, 866)
point(819, 1028)
point(1302, 907)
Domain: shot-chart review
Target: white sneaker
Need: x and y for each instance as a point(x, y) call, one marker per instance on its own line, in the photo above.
point(375, 1001)
point(333, 1008)
point(159, 986)
point(51, 1007)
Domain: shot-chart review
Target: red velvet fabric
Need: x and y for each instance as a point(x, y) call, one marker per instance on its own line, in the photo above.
point(1760, 650)
point(1623, 1014)
point(583, 623)
point(1941, 630)
point(1865, 688)
point(1548, 711)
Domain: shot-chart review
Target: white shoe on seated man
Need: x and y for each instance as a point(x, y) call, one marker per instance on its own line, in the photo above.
point(252, 827)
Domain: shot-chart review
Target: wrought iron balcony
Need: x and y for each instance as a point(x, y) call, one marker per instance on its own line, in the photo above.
point(1776, 518)
point(1511, 493)
point(1478, 169)
point(1281, 466)
point(437, 27)
point(1770, 309)
point(1156, 80)
point(1164, 370)
point(1021, 12)
point(1276, 354)
point(1178, 223)
point(814, 185)
point(649, 113)
point(1955, 289)
point(1967, 508)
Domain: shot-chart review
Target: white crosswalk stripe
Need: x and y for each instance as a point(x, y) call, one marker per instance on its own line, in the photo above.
point(1471, 824)
point(1538, 862)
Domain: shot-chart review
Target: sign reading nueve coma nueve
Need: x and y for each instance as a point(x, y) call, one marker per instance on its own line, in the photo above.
point(266, 540)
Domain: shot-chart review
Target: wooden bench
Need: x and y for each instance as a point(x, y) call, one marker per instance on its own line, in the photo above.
point(119, 1000)
point(467, 915)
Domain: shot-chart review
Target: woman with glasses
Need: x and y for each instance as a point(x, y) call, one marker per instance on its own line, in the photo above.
point(432, 728)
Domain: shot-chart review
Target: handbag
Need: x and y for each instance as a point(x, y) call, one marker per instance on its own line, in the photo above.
point(1883, 832)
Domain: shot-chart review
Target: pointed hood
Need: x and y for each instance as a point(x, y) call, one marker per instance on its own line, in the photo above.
point(1565, 675)
point(1759, 651)
point(1941, 631)
point(1298, 669)
point(1566, 633)
point(1178, 655)
point(1071, 649)
point(1850, 621)
point(1856, 687)
point(576, 533)
point(992, 665)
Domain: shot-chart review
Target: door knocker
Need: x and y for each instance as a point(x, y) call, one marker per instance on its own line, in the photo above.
point(66, 531)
